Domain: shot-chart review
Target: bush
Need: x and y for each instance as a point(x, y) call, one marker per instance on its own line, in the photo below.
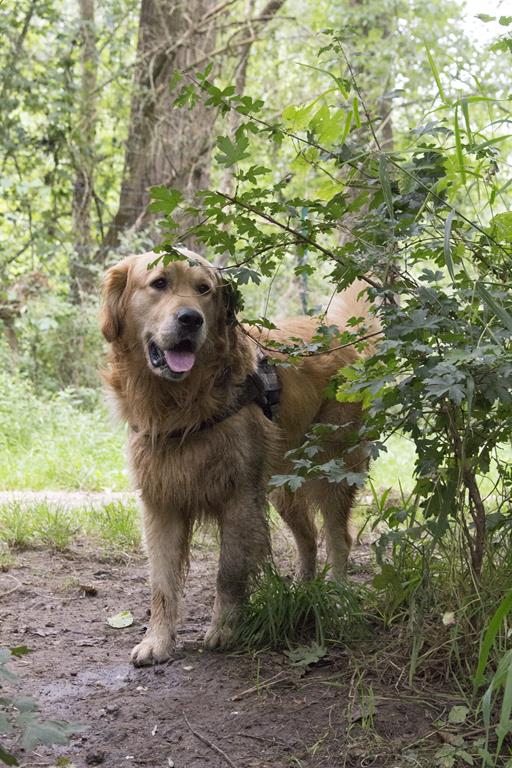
point(60, 345)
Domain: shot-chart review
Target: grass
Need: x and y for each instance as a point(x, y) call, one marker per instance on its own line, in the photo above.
point(114, 527)
point(284, 613)
point(56, 443)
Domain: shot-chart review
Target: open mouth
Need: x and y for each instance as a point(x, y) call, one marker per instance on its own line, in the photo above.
point(178, 360)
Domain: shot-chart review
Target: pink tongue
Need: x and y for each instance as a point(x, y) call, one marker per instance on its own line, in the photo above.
point(179, 361)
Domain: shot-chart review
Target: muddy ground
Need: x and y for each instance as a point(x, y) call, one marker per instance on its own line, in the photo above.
point(203, 709)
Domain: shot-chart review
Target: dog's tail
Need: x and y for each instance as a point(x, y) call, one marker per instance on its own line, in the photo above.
point(353, 302)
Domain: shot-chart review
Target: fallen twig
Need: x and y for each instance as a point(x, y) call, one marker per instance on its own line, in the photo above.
point(209, 743)
point(267, 684)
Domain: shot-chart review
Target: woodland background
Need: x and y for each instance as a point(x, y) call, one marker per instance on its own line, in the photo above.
point(298, 145)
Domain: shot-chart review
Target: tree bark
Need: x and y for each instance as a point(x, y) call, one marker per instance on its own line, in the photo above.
point(81, 271)
point(166, 145)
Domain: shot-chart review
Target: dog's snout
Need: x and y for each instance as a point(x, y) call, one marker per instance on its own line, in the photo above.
point(190, 318)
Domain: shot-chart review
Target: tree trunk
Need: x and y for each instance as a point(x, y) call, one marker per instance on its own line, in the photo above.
point(166, 144)
point(81, 272)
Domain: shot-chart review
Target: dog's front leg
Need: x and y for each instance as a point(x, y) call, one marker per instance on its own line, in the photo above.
point(244, 546)
point(167, 536)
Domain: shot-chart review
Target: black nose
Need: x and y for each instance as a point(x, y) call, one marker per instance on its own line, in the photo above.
point(189, 318)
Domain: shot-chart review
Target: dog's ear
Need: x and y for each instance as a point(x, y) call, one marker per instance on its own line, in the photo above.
point(233, 301)
point(112, 312)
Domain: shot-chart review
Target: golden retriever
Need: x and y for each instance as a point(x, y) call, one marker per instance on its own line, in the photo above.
point(177, 363)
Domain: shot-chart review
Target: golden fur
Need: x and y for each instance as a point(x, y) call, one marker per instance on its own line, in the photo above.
point(220, 472)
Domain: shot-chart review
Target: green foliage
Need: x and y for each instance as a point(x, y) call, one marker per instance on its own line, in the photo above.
point(59, 346)
point(39, 123)
point(23, 526)
point(442, 372)
point(424, 220)
point(51, 443)
point(381, 153)
point(307, 463)
point(282, 613)
point(19, 717)
point(114, 525)
point(500, 684)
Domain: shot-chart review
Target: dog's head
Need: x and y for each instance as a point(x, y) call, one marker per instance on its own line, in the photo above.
point(175, 314)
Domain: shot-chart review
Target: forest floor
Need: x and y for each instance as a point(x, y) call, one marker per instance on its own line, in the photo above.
point(202, 709)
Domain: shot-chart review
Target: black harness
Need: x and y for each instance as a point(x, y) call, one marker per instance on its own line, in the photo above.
point(262, 387)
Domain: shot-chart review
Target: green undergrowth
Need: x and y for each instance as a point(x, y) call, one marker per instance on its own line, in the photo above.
point(63, 441)
point(114, 526)
point(283, 613)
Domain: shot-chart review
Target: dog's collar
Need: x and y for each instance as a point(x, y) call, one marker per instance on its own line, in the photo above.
point(262, 387)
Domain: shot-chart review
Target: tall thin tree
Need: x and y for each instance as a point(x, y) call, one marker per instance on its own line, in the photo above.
point(82, 277)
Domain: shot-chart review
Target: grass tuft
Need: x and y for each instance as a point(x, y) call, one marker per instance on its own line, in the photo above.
point(7, 559)
point(23, 525)
point(114, 526)
point(282, 613)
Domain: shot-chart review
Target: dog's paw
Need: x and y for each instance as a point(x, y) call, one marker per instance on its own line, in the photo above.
point(154, 649)
point(219, 635)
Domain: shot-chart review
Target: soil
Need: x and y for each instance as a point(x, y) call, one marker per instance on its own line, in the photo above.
point(203, 709)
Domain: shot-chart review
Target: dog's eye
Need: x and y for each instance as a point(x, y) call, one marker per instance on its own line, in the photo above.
point(160, 284)
point(203, 288)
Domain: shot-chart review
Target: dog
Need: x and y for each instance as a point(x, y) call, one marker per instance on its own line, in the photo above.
point(200, 446)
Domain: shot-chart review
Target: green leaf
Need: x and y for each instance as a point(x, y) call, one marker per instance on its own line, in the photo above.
point(346, 127)
point(252, 173)
point(7, 758)
point(164, 199)
point(435, 72)
point(293, 482)
point(20, 650)
point(175, 78)
point(447, 237)
point(465, 112)
point(297, 118)
point(232, 152)
point(355, 112)
point(327, 124)
point(458, 147)
point(306, 655)
point(458, 714)
point(46, 732)
point(489, 637)
point(501, 227)
point(504, 726)
point(121, 620)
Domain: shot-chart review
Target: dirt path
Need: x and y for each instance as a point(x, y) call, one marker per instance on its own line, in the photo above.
point(78, 670)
